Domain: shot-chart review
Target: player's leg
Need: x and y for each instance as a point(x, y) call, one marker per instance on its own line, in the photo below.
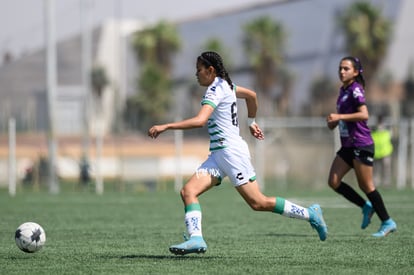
point(364, 176)
point(339, 169)
point(251, 193)
point(199, 183)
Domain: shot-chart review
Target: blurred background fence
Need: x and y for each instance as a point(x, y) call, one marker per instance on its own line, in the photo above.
point(296, 153)
point(299, 151)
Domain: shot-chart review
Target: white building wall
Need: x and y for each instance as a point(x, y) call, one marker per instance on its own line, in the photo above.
point(401, 52)
point(111, 56)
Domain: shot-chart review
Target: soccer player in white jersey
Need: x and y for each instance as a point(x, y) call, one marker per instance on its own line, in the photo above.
point(229, 155)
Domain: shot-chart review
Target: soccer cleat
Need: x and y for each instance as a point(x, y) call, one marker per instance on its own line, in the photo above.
point(195, 244)
point(386, 228)
point(317, 222)
point(367, 212)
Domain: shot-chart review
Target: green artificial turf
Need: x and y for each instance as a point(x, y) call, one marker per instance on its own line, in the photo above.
point(130, 232)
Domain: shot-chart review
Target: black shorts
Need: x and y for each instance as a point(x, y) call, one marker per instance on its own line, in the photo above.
point(363, 154)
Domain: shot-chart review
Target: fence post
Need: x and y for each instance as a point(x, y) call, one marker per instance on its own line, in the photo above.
point(12, 157)
point(412, 152)
point(178, 140)
point(402, 155)
point(259, 157)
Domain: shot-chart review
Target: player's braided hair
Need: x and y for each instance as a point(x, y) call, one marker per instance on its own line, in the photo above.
point(358, 66)
point(215, 60)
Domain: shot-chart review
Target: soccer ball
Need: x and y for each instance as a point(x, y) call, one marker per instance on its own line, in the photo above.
point(30, 237)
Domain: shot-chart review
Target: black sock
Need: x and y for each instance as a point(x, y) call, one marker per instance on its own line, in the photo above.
point(350, 194)
point(378, 204)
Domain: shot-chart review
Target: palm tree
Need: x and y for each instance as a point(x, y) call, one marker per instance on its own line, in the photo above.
point(157, 45)
point(322, 96)
point(408, 103)
point(264, 41)
point(367, 33)
point(216, 45)
point(154, 48)
point(286, 79)
point(99, 80)
point(155, 99)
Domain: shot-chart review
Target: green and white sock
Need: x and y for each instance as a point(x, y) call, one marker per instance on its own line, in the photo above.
point(291, 210)
point(193, 219)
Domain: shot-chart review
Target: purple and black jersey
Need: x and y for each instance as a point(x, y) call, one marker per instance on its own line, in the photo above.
point(353, 134)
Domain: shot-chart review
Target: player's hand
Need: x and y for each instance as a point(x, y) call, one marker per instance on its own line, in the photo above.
point(333, 117)
point(332, 120)
point(256, 131)
point(156, 130)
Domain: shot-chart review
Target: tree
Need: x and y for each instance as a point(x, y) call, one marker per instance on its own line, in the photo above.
point(157, 45)
point(154, 48)
point(214, 44)
point(286, 84)
point(99, 80)
point(154, 100)
point(367, 35)
point(264, 41)
point(323, 96)
point(408, 103)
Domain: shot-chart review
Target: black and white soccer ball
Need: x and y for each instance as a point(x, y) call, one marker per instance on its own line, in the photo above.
point(30, 237)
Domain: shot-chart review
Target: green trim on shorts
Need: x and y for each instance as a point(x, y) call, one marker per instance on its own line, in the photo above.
point(280, 205)
point(192, 207)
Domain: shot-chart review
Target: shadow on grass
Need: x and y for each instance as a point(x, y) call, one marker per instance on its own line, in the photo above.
point(289, 235)
point(168, 257)
point(331, 236)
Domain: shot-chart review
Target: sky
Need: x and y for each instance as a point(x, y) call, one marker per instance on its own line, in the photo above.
point(23, 21)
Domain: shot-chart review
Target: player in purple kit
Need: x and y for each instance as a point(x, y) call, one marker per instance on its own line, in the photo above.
point(357, 147)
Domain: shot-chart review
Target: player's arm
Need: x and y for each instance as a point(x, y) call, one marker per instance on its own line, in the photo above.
point(252, 105)
point(197, 121)
point(360, 115)
point(250, 98)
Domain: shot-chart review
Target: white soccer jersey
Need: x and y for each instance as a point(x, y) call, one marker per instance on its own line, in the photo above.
point(223, 125)
point(230, 154)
